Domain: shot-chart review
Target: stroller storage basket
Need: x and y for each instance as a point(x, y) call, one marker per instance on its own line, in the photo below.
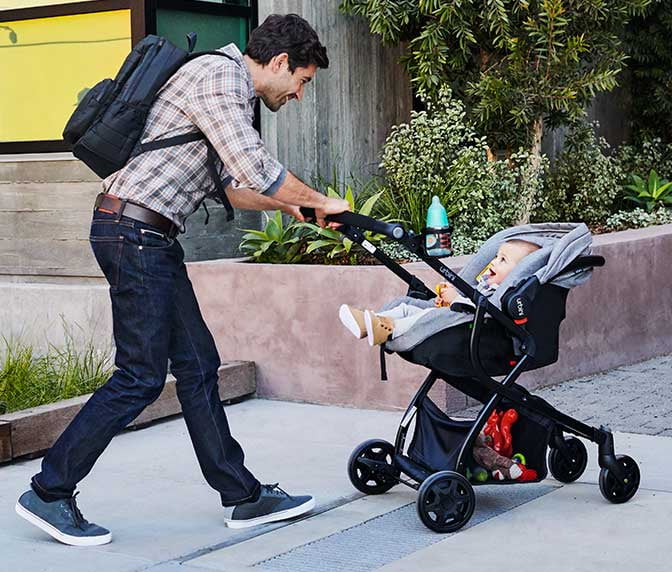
point(438, 439)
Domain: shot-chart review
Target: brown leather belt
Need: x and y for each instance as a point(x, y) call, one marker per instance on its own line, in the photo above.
point(112, 205)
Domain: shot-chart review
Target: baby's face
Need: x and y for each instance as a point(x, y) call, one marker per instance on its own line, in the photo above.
point(507, 257)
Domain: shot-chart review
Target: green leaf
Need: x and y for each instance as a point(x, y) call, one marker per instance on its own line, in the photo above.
point(350, 197)
point(273, 230)
point(660, 191)
point(255, 233)
point(318, 244)
point(653, 181)
point(370, 203)
point(330, 233)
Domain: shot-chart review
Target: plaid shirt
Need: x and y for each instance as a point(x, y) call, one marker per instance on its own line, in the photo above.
point(216, 96)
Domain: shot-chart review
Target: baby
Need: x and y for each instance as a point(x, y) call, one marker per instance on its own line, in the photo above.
point(380, 327)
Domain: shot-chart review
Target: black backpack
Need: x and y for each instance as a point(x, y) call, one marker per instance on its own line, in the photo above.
point(106, 126)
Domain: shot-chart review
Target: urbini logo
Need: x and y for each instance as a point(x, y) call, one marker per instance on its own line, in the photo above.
point(520, 307)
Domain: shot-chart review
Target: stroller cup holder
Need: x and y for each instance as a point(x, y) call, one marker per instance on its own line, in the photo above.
point(524, 335)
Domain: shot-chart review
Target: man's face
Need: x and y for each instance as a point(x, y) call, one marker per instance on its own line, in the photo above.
point(283, 85)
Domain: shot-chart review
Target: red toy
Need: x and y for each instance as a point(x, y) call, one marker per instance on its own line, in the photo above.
point(491, 429)
point(498, 428)
point(506, 420)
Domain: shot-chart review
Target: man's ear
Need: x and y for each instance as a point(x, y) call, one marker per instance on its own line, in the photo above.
point(279, 61)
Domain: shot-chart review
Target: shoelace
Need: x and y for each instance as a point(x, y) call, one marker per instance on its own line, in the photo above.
point(77, 515)
point(275, 490)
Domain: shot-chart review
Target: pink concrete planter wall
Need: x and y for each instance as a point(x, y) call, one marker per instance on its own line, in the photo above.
point(285, 319)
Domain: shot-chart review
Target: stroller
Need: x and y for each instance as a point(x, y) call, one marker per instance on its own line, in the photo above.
point(515, 330)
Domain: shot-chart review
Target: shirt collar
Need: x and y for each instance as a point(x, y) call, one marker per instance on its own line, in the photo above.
point(233, 51)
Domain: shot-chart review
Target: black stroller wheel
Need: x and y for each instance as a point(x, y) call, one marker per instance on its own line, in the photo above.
point(446, 501)
point(371, 469)
point(612, 489)
point(567, 469)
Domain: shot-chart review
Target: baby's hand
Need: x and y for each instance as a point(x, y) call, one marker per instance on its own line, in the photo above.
point(447, 293)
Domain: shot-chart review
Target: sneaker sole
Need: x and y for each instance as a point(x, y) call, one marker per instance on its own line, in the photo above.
point(57, 534)
point(369, 328)
point(273, 517)
point(348, 320)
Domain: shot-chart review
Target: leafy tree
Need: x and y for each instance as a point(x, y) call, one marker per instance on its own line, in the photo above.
point(650, 51)
point(517, 64)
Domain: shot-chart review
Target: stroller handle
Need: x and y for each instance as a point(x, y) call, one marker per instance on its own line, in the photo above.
point(363, 222)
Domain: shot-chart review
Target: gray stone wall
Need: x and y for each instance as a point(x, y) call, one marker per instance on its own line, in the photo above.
point(348, 109)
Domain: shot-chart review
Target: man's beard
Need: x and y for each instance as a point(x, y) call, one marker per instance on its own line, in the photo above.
point(272, 104)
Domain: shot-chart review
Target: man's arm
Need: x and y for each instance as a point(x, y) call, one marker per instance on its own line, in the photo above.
point(252, 200)
point(294, 192)
point(291, 195)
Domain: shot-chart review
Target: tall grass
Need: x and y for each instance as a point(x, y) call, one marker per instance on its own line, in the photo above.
point(28, 379)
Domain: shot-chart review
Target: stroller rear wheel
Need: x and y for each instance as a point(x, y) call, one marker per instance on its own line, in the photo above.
point(371, 467)
point(446, 501)
point(615, 491)
point(568, 465)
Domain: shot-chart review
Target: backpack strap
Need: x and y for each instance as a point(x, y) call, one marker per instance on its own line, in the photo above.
point(208, 53)
point(219, 187)
point(168, 142)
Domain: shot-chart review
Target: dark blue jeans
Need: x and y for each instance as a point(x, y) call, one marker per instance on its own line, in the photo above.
point(156, 319)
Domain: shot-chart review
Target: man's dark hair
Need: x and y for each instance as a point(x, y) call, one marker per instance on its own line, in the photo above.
point(288, 34)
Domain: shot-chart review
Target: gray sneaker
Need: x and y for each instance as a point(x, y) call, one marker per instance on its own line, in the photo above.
point(273, 504)
point(62, 520)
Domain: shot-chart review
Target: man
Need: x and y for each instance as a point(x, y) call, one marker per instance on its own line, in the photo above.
point(155, 313)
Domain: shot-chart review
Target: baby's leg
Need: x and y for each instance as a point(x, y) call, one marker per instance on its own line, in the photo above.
point(402, 311)
point(402, 325)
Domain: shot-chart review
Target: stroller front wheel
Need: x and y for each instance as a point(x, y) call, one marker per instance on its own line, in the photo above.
point(371, 467)
point(615, 491)
point(446, 501)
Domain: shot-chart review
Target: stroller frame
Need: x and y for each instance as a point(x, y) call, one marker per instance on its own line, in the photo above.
point(446, 500)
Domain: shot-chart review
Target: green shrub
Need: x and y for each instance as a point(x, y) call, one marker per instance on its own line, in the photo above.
point(651, 193)
point(419, 157)
point(28, 379)
point(647, 155)
point(584, 183)
point(277, 243)
point(439, 153)
point(638, 218)
point(285, 241)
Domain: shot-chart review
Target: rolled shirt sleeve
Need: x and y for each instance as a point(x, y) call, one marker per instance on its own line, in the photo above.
point(220, 108)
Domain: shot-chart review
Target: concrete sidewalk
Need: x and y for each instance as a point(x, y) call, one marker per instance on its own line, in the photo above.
point(148, 490)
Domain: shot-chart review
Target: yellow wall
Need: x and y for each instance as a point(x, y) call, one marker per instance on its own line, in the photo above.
point(47, 63)
point(14, 4)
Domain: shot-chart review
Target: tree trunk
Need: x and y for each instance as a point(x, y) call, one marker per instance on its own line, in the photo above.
point(529, 182)
point(537, 134)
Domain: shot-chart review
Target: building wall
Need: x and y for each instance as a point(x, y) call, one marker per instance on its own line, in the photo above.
point(349, 108)
point(50, 283)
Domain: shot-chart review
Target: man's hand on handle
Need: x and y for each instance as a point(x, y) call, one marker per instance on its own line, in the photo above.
point(294, 192)
point(332, 206)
